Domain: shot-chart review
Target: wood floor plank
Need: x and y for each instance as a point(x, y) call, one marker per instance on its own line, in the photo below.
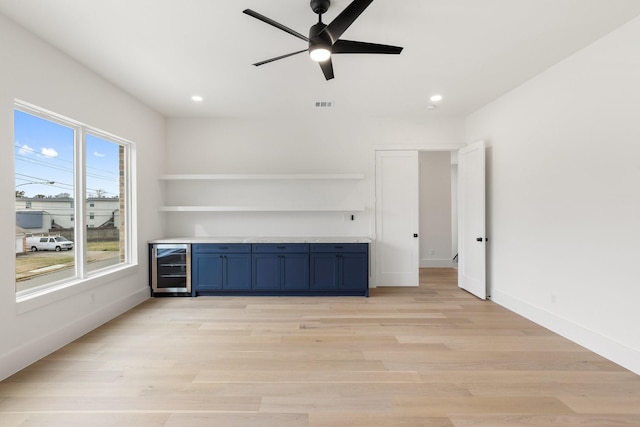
point(431, 356)
point(555, 420)
point(377, 420)
point(310, 376)
point(237, 420)
point(451, 406)
point(603, 405)
point(62, 419)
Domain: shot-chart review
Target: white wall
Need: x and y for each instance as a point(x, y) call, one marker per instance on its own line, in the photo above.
point(435, 209)
point(287, 145)
point(563, 199)
point(34, 72)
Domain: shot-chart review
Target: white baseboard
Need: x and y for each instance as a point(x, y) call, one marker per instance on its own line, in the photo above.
point(31, 352)
point(437, 263)
point(605, 347)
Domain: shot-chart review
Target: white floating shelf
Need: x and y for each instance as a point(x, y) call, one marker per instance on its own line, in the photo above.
point(258, 177)
point(259, 209)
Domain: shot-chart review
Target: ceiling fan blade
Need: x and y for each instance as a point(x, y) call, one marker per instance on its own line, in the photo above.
point(348, 46)
point(275, 24)
point(327, 68)
point(344, 20)
point(257, 64)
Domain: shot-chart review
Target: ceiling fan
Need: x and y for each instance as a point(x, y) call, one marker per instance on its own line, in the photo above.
point(324, 40)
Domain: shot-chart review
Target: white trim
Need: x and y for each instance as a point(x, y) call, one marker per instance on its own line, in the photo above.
point(624, 356)
point(418, 147)
point(79, 188)
point(197, 177)
point(21, 357)
point(131, 205)
point(261, 209)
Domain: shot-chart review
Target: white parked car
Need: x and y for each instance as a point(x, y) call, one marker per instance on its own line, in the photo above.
point(49, 243)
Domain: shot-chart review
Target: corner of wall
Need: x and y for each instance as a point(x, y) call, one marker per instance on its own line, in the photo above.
point(614, 351)
point(32, 351)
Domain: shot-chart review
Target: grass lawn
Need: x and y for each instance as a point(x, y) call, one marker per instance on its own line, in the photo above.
point(26, 263)
point(35, 260)
point(104, 246)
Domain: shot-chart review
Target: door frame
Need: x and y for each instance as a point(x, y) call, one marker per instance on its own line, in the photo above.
point(372, 192)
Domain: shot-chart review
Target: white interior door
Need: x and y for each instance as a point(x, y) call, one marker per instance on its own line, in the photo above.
point(471, 220)
point(397, 209)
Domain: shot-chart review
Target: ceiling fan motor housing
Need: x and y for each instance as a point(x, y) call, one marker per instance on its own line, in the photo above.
point(320, 6)
point(317, 37)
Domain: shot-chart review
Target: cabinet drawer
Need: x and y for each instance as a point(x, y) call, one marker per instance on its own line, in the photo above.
point(339, 247)
point(280, 247)
point(217, 248)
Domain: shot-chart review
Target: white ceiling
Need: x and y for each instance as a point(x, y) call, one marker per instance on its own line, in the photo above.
point(471, 51)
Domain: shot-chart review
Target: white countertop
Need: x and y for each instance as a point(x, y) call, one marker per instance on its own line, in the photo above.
point(195, 240)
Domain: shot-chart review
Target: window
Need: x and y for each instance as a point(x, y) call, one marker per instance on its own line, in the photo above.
point(57, 162)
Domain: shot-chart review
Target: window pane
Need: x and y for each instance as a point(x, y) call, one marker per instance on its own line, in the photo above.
point(44, 163)
point(105, 178)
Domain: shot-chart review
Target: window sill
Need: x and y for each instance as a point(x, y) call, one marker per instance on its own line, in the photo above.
point(35, 300)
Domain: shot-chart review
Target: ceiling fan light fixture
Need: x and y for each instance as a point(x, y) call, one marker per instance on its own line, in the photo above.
point(319, 53)
point(325, 39)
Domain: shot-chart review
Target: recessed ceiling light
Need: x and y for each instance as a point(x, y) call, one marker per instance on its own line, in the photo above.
point(436, 98)
point(197, 98)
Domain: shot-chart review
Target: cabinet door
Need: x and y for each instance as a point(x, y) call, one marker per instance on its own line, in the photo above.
point(324, 272)
point(354, 271)
point(207, 272)
point(237, 269)
point(266, 272)
point(295, 271)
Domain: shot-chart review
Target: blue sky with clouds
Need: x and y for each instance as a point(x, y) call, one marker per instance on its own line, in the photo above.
point(44, 153)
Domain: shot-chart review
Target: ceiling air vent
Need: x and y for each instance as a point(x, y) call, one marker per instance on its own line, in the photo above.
point(324, 104)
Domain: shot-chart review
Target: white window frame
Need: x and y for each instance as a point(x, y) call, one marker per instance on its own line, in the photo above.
point(84, 279)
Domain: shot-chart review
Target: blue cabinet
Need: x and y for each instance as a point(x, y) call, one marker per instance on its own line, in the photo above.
point(342, 268)
point(280, 267)
point(220, 268)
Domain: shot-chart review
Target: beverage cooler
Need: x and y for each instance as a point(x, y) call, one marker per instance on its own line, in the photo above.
point(170, 269)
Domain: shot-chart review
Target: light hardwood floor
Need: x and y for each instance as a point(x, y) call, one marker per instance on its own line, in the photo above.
point(429, 356)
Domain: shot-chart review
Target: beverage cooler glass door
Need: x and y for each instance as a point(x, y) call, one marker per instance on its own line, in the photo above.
point(171, 268)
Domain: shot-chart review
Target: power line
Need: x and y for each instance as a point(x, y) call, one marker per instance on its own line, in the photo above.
point(56, 158)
